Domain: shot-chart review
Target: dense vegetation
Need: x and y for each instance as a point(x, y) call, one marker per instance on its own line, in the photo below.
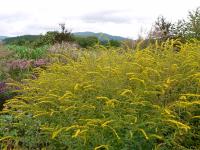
point(185, 29)
point(21, 40)
point(145, 99)
point(24, 52)
point(52, 37)
point(66, 92)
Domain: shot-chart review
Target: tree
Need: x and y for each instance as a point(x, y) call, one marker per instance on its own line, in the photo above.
point(64, 35)
point(52, 37)
point(193, 25)
point(62, 26)
point(190, 28)
point(162, 29)
point(180, 29)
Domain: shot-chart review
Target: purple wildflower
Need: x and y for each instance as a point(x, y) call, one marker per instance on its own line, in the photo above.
point(2, 87)
point(39, 62)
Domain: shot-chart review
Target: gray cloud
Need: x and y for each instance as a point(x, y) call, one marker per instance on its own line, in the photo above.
point(142, 19)
point(13, 17)
point(111, 16)
point(115, 16)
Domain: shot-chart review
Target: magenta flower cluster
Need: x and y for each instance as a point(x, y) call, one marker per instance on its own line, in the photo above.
point(2, 87)
point(25, 64)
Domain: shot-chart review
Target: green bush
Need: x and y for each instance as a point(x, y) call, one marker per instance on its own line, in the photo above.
point(115, 43)
point(53, 37)
point(25, 52)
point(109, 99)
point(86, 42)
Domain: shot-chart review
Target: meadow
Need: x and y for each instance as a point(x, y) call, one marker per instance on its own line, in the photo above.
point(108, 98)
point(59, 91)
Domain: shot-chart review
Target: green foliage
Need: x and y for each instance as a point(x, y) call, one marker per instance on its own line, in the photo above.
point(183, 30)
point(86, 42)
point(37, 41)
point(24, 52)
point(2, 75)
point(100, 36)
point(162, 29)
point(19, 74)
point(53, 37)
point(91, 41)
point(109, 99)
point(115, 43)
point(190, 28)
point(21, 40)
point(193, 25)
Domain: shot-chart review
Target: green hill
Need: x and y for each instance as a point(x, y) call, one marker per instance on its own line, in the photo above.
point(23, 37)
point(2, 37)
point(100, 36)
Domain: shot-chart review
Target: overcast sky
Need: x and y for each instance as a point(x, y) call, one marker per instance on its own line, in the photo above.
point(127, 18)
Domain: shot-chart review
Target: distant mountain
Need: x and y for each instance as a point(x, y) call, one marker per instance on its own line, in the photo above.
point(22, 37)
point(2, 37)
point(100, 36)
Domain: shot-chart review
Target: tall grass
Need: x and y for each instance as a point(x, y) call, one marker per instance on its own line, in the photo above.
point(24, 52)
point(109, 99)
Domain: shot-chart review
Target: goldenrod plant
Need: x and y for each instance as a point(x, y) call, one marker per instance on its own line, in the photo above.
point(111, 99)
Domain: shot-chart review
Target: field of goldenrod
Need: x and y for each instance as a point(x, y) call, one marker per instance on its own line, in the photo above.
point(109, 98)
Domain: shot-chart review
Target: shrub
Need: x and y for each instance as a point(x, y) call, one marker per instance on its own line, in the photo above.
point(86, 42)
point(53, 37)
point(115, 43)
point(183, 29)
point(24, 52)
point(109, 99)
